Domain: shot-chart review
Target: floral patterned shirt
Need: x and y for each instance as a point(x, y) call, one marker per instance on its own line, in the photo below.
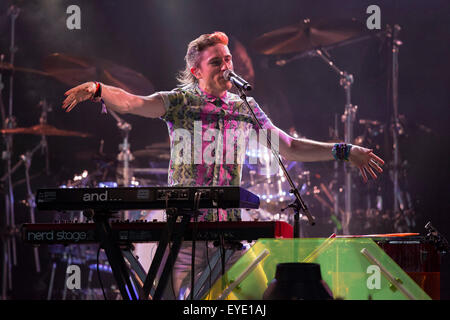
point(208, 140)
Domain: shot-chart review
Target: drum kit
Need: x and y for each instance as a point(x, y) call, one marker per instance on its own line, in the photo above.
point(287, 44)
point(316, 39)
point(332, 196)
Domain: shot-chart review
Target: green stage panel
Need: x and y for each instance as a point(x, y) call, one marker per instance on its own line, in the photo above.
point(348, 272)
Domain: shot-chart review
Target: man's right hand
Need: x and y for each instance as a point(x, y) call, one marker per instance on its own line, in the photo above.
point(78, 94)
point(116, 99)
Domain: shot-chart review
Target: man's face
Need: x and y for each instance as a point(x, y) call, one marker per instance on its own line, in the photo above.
point(213, 62)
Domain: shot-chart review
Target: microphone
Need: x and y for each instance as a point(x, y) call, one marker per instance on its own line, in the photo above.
point(237, 80)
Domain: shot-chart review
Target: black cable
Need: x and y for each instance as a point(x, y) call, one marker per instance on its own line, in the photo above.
point(193, 260)
point(209, 265)
point(98, 273)
point(221, 247)
point(171, 273)
point(222, 252)
point(197, 198)
point(170, 248)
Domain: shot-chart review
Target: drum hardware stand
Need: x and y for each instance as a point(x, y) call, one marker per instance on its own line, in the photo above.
point(396, 126)
point(298, 203)
point(9, 246)
point(335, 182)
point(55, 260)
point(46, 108)
point(90, 291)
point(68, 256)
point(125, 155)
point(68, 250)
point(9, 243)
point(52, 281)
point(26, 160)
point(346, 81)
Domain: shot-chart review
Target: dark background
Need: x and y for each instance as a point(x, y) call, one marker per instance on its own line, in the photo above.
point(151, 38)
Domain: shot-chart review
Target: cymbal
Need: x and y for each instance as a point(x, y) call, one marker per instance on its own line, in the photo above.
point(153, 154)
point(307, 35)
point(159, 145)
point(158, 151)
point(46, 130)
point(73, 70)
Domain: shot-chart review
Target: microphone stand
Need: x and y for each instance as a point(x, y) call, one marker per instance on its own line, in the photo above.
point(298, 203)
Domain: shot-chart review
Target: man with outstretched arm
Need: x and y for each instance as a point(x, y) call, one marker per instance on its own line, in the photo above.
point(204, 104)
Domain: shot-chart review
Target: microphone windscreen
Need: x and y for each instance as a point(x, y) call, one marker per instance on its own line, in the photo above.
point(227, 74)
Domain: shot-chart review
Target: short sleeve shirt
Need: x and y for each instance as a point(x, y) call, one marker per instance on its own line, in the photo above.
point(208, 140)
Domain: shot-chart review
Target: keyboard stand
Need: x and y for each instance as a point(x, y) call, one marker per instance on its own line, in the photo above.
point(173, 231)
point(115, 257)
point(201, 288)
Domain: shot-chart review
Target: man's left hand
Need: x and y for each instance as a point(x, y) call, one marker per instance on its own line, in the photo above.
point(366, 161)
